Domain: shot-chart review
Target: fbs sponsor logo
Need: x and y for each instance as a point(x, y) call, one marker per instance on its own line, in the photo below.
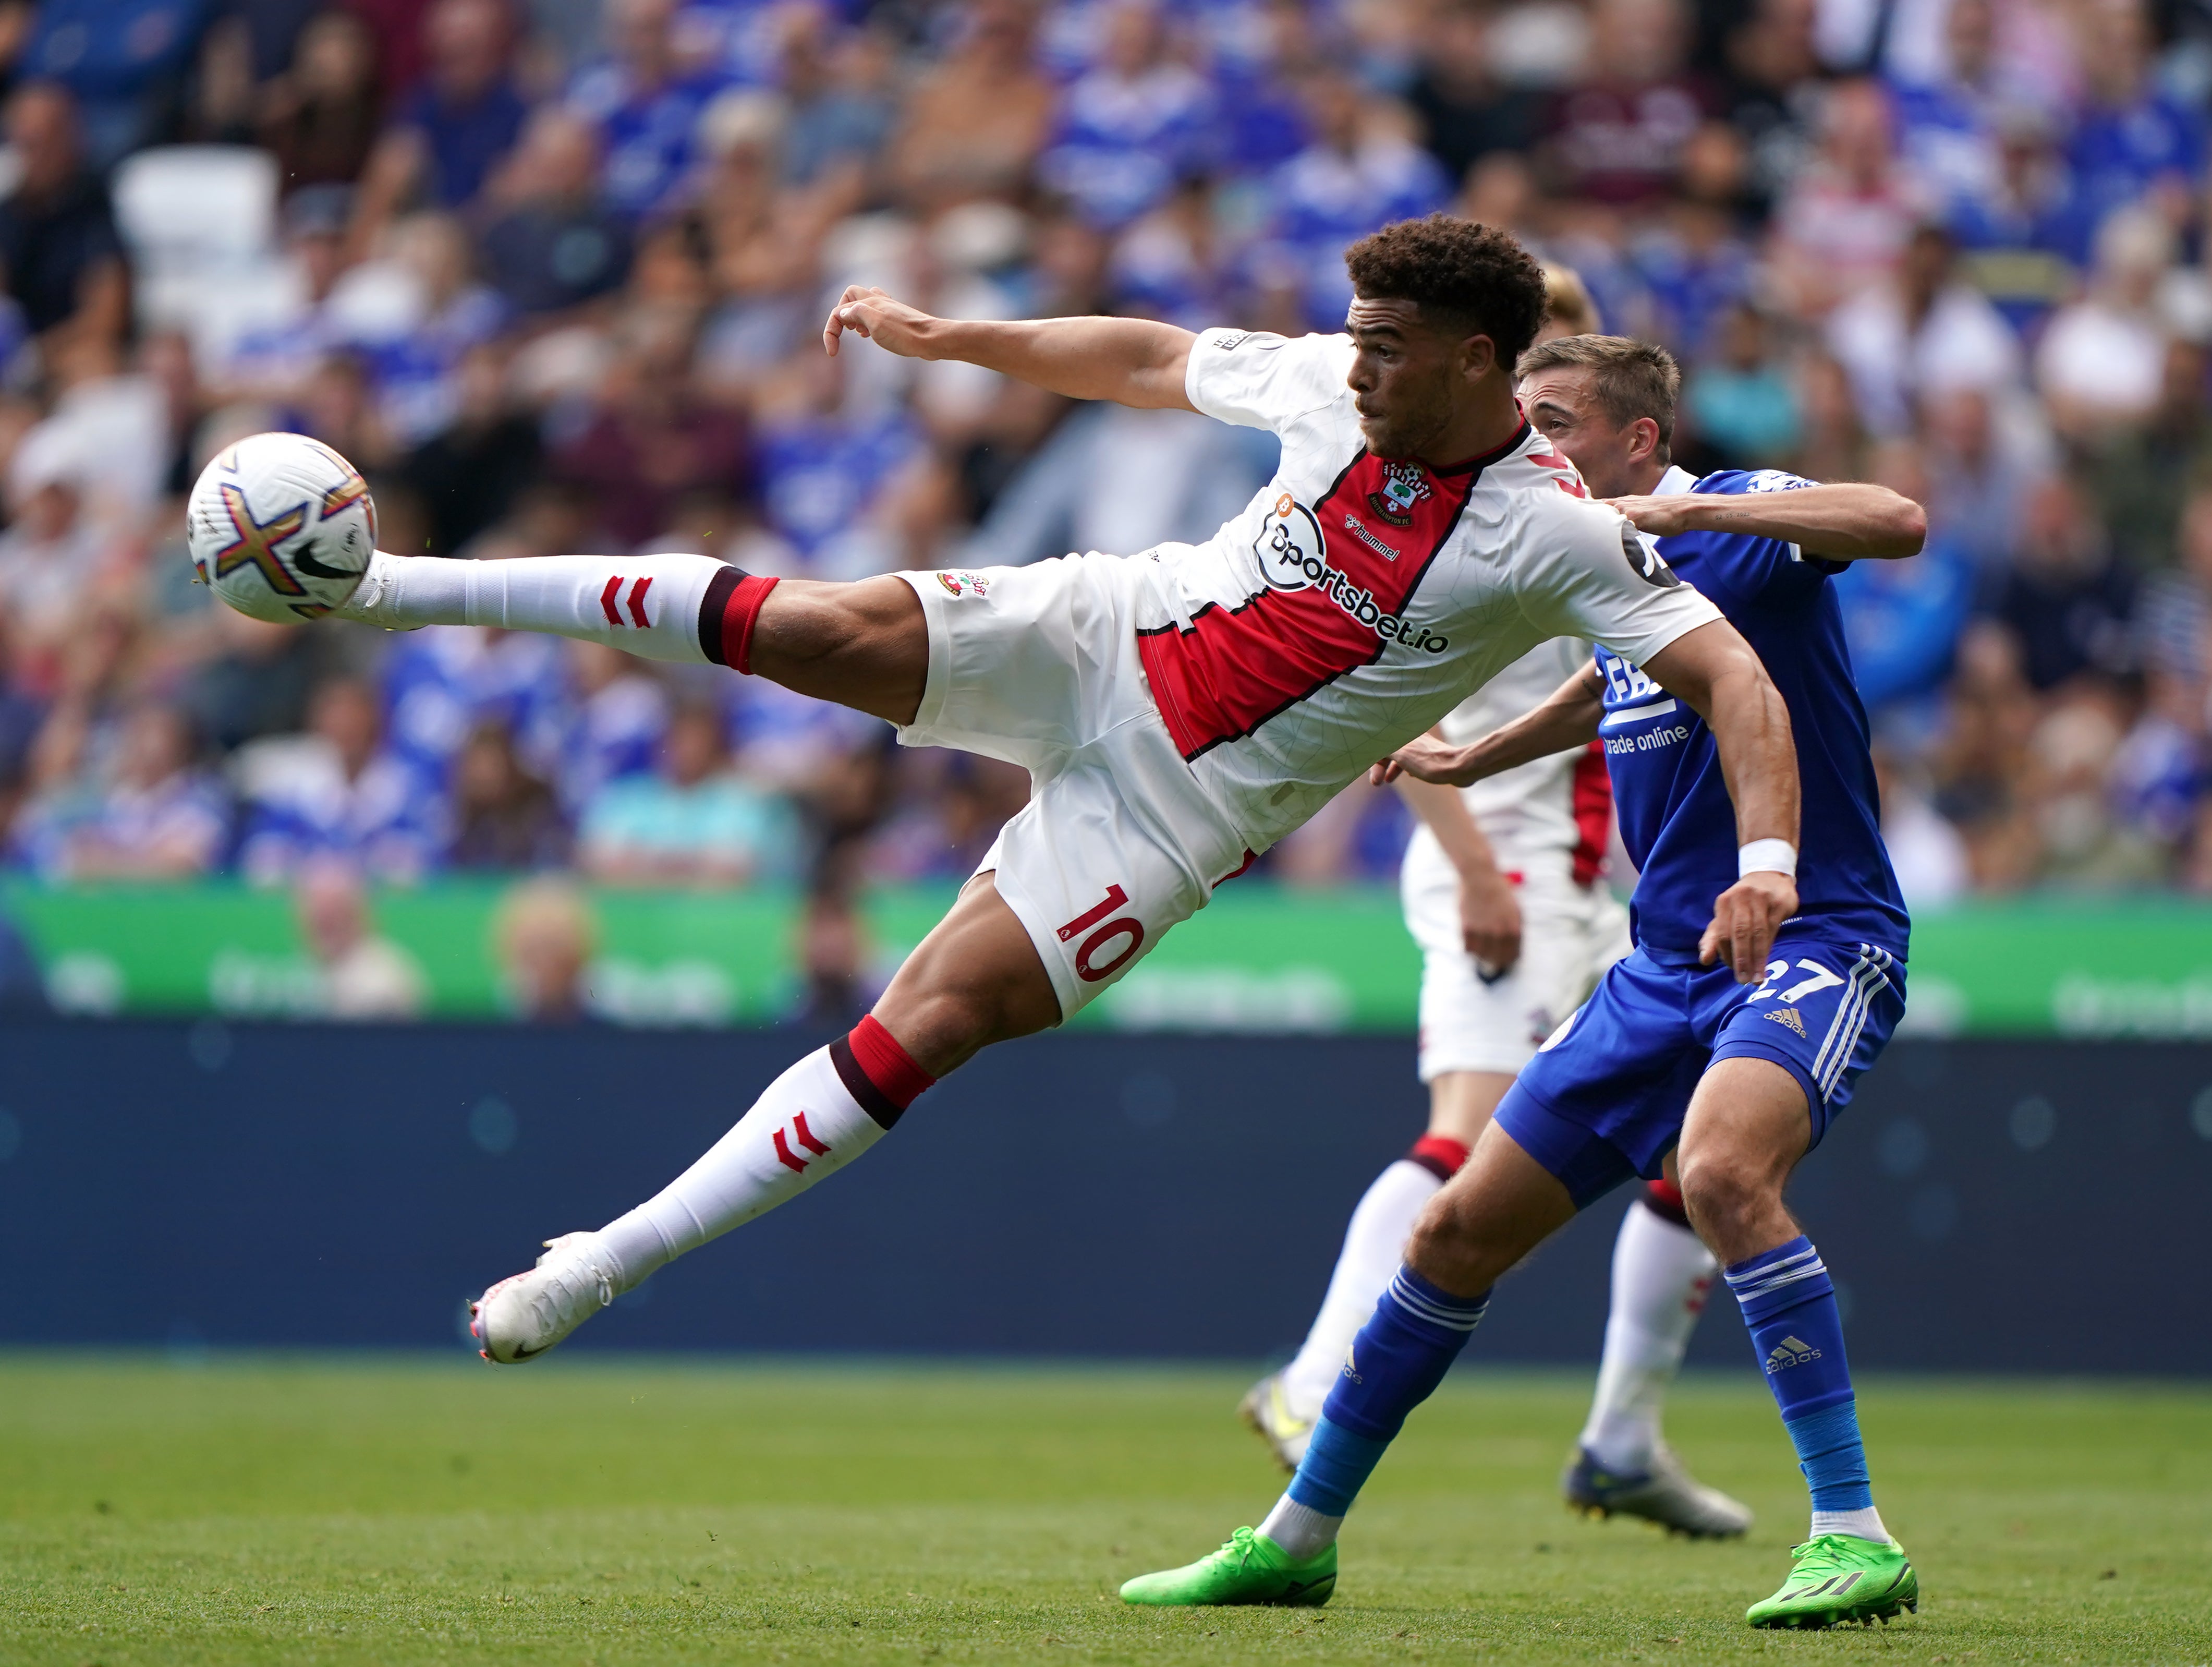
point(965, 584)
point(1791, 1351)
point(1787, 1016)
point(1405, 485)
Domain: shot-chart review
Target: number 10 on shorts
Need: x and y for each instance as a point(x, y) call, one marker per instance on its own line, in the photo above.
point(1125, 931)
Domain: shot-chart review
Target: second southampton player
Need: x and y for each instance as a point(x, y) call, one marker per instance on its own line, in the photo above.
point(1501, 890)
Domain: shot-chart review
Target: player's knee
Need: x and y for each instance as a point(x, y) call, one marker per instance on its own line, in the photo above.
point(1722, 1190)
point(1448, 1247)
point(945, 1020)
point(951, 1026)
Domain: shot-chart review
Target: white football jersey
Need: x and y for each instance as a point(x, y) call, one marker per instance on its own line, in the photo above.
point(1356, 601)
point(1562, 804)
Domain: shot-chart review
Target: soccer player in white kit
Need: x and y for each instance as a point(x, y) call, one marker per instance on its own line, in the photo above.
point(1179, 710)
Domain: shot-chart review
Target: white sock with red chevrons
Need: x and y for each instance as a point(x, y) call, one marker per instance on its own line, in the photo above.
point(674, 606)
point(810, 1123)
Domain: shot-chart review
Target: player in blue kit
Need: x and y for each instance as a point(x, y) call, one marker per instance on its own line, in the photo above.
point(1673, 1067)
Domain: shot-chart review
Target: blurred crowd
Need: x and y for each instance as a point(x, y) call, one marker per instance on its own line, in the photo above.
point(551, 272)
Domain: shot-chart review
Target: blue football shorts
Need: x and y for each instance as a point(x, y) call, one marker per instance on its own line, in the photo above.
point(1605, 1097)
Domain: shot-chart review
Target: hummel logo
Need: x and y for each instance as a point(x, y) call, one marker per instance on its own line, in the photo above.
point(1790, 1352)
point(1787, 1016)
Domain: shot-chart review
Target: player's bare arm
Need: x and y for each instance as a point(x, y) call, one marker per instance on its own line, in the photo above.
point(1490, 915)
point(1567, 720)
point(1130, 362)
point(1847, 522)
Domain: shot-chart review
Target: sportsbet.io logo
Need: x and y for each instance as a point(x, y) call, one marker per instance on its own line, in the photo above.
point(1293, 557)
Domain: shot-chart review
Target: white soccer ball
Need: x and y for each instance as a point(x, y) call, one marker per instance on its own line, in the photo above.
point(281, 526)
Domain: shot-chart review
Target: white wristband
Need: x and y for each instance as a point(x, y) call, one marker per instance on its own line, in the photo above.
point(1777, 856)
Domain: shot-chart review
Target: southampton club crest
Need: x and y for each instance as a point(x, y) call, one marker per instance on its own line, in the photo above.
point(1405, 485)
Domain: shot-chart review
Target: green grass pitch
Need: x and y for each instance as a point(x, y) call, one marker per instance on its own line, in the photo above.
point(399, 1510)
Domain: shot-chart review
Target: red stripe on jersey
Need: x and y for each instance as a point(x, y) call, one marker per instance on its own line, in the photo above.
point(1342, 574)
point(1592, 797)
point(607, 600)
point(637, 601)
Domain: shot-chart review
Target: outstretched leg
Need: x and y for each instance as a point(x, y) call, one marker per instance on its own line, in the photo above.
point(976, 979)
point(863, 645)
point(1497, 1210)
point(1004, 662)
point(1746, 1129)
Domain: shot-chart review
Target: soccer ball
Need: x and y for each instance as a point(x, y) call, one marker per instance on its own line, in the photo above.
point(281, 526)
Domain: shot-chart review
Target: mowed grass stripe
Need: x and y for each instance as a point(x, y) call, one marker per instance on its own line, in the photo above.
point(635, 1510)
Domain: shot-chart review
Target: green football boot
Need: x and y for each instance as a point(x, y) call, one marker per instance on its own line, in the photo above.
point(1840, 1577)
point(1250, 1569)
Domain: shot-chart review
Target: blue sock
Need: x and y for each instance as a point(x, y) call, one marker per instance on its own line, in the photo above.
point(1396, 1362)
point(1789, 1307)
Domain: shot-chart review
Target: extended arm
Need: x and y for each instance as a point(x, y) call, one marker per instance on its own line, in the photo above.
point(1489, 914)
point(1131, 362)
point(1853, 520)
point(1568, 719)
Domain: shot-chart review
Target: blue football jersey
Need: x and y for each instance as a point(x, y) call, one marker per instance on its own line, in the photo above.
point(1676, 819)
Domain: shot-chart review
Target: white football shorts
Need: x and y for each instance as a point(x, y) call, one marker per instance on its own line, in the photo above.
point(1038, 666)
point(1570, 934)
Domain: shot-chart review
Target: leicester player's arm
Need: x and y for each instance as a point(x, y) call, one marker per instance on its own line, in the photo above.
point(1718, 674)
point(1847, 522)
